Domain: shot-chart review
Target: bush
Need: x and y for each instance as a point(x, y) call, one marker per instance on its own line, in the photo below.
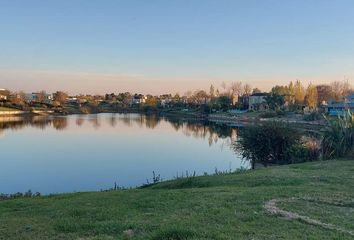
point(269, 114)
point(312, 116)
point(270, 143)
point(338, 138)
point(299, 153)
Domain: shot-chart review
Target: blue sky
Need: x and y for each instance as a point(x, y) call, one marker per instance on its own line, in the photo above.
point(172, 45)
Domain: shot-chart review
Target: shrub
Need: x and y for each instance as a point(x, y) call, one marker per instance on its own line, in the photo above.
point(269, 114)
point(303, 153)
point(313, 116)
point(267, 144)
point(338, 138)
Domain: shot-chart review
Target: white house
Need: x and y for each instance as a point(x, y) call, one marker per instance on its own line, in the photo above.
point(257, 101)
point(138, 99)
point(33, 97)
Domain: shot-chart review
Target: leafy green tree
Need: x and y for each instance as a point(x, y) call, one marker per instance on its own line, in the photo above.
point(275, 101)
point(224, 102)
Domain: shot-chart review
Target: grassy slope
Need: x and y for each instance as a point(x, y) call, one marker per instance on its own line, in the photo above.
point(210, 207)
point(6, 109)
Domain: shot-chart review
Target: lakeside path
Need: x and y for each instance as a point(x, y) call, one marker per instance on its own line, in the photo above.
point(225, 206)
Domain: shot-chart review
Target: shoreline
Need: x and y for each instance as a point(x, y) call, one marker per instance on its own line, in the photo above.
point(224, 118)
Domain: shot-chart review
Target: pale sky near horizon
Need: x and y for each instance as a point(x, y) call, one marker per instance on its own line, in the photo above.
point(157, 46)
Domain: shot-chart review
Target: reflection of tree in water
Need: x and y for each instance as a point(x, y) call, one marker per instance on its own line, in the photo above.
point(95, 121)
point(126, 119)
point(151, 121)
point(79, 121)
point(16, 123)
point(204, 129)
point(113, 120)
point(60, 123)
point(213, 132)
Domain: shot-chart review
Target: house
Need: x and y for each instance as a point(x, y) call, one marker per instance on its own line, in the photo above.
point(138, 99)
point(339, 108)
point(257, 102)
point(4, 94)
point(166, 100)
point(33, 97)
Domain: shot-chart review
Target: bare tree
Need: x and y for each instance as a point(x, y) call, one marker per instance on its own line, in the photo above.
point(340, 89)
point(41, 97)
point(212, 91)
point(247, 89)
point(60, 97)
point(223, 86)
point(236, 89)
point(200, 96)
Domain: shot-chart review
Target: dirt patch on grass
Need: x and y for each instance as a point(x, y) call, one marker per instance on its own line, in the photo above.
point(271, 207)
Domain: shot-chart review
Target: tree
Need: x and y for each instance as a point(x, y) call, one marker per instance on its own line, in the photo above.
point(41, 96)
point(340, 89)
point(324, 93)
point(280, 90)
point(224, 102)
point(212, 91)
point(247, 89)
point(223, 86)
point(256, 90)
point(236, 89)
point(18, 98)
point(311, 96)
point(200, 97)
point(299, 92)
point(275, 101)
point(60, 97)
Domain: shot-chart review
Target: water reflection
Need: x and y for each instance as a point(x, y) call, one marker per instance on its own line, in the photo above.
point(191, 128)
point(90, 152)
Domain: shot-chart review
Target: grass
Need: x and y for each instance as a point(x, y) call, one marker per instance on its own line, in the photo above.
point(6, 109)
point(226, 206)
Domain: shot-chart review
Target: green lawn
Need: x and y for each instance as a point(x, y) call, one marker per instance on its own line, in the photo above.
point(2, 109)
point(227, 206)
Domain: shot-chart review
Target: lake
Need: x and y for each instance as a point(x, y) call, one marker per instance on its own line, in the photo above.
point(92, 152)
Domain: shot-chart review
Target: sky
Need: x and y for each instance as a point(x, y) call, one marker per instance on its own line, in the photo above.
point(158, 46)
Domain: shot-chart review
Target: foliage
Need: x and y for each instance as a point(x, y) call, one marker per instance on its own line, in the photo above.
point(60, 97)
point(224, 102)
point(275, 101)
point(268, 114)
point(313, 116)
point(311, 96)
point(299, 92)
point(338, 138)
point(340, 89)
point(301, 153)
point(267, 144)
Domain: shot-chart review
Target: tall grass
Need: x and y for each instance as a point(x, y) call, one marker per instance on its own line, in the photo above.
point(338, 139)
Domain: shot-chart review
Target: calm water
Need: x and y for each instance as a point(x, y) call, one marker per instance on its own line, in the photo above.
point(91, 152)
